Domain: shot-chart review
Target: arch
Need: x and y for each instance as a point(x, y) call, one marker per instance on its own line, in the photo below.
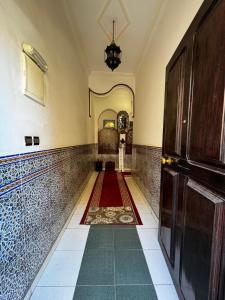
point(102, 116)
point(107, 109)
point(109, 91)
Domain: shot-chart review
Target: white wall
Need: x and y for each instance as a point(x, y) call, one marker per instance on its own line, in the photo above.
point(64, 120)
point(174, 19)
point(101, 82)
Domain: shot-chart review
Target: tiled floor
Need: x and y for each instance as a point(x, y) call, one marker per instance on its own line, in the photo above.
point(107, 250)
point(114, 262)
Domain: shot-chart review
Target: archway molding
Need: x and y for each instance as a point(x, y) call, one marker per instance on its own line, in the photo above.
point(108, 92)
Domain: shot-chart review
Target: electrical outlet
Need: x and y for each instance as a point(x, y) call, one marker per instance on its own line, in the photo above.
point(28, 140)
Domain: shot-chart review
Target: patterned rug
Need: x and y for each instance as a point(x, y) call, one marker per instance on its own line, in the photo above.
point(111, 202)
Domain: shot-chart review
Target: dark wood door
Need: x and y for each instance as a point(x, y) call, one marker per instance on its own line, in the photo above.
point(192, 200)
point(168, 205)
point(202, 242)
point(206, 140)
point(174, 106)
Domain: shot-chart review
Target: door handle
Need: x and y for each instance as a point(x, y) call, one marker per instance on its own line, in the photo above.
point(166, 161)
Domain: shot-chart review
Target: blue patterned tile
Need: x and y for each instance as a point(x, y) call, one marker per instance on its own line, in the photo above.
point(146, 169)
point(35, 211)
point(9, 172)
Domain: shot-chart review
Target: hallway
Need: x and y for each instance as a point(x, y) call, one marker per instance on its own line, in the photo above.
point(112, 149)
point(97, 280)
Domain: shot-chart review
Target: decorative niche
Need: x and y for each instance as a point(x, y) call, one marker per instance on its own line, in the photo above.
point(35, 69)
point(122, 121)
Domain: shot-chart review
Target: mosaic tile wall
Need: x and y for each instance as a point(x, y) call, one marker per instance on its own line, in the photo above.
point(38, 192)
point(146, 170)
point(115, 158)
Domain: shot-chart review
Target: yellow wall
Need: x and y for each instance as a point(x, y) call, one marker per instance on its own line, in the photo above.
point(64, 120)
point(174, 19)
point(119, 99)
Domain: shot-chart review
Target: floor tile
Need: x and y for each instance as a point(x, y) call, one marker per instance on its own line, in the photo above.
point(97, 268)
point(53, 293)
point(99, 238)
point(73, 239)
point(75, 222)
point(136, 292)
point(142, 207)
point(80, 208)
point(148, 238)
point(148, 221)
point(157, 267)
point(109, 226)
point(94, 293)
point(167, 292)
point(62, 269)
point(131, 267)
point(126, 239)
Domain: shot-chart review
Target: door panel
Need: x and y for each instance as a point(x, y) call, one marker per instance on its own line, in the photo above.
point(202, 240)
point(168, 203)
point(174, 106)
point(178, 229)
point(207, 107)
point(192, 227)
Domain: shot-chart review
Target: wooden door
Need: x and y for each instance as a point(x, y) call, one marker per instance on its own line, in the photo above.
point(192, 203)
point(202, 242)
point(174, 106)
point(206, 138)
point(168, 203)
point(172, 142)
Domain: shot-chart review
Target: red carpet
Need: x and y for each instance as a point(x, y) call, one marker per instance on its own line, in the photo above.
point(110, 201)
point(110, 195)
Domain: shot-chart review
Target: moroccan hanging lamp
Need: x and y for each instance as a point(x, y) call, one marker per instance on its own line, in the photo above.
point(113, 54)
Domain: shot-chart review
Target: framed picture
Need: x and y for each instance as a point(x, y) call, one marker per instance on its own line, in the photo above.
point(109, 123)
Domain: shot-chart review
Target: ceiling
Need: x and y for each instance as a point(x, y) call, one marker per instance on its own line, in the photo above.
point(92, 22)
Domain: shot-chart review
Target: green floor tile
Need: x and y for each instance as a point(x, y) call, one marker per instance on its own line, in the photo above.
point(136, 292)
point(100, 238)
point(97, 268)
point(131, 267)
point(112, 226)
point(94, 293)
point(126, 239)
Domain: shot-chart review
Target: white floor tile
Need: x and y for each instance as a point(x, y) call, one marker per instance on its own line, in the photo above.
point(73, 239)
point(75, 221)
point(148, 221)
point(148, 238)
point(53, 293)
point(63, 269)
point(167, 292)
point(142, 207)
point(139, 199)
point(157, 267)
point(80, 208)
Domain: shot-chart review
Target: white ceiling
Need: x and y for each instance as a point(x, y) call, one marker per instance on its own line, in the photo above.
point(92, 22)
